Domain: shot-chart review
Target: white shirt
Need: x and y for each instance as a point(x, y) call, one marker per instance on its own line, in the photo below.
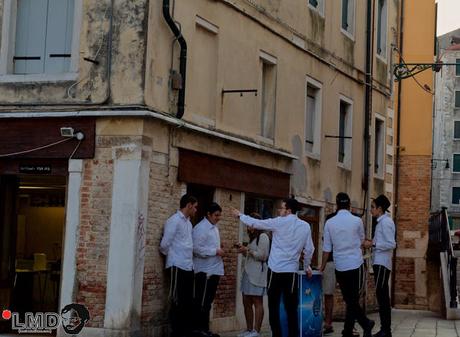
point(177, 242)
point(206, 242)
point(290, 236)
point(343, 235)
point(384, 241)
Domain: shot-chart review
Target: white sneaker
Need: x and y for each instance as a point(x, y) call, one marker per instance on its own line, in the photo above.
point(253, 333)
point(244, 333)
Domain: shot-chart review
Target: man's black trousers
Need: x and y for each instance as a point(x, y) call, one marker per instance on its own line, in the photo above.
point(285, 284)
point(181, 293)
point(351, 283)
point(381, 277)
point(205, 291)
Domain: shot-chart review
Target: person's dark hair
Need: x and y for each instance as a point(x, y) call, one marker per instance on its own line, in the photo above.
point(213, 207)
point(292, 204)
point(187, 199)
point(256, 233)
point(342, 200)
point(383, 202)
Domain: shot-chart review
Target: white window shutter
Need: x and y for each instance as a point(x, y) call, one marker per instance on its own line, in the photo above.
point(59, 36)
point(30, 36)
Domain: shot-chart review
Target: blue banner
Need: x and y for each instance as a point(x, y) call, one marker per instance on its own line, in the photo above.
point(310, 308)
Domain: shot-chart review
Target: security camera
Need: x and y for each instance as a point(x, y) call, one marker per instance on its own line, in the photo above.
point(67, 132)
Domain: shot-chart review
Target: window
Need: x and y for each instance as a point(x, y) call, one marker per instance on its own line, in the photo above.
point(262, 206)
point(268, 96)
point(456, 129)
point(39, 37)
point(455, 195)
point(457, 99)
point(348, 16)
point(379, 146)
point(457, 67)
point(313, 118)
point(344, 153)
point(43, 36)
point(456, 161)
point(382, 27)
point(318, 5)
point(204, 50)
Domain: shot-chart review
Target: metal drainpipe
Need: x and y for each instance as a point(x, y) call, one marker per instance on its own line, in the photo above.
point(368, 103)
point(367, 113)
point(183, 57)
point(398, 152)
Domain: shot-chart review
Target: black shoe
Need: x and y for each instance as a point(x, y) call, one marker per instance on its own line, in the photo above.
point(368, 330)
point(382, 333)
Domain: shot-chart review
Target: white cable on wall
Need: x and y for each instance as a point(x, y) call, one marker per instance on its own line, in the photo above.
point(37, 148)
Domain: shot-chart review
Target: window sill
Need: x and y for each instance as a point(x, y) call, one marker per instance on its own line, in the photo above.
point(42, 78)
point(316, 10)
point(344, 166)
point(315, 156)
point(347, 34)
point(265, 140)
point(381, 58)
point(379, 176)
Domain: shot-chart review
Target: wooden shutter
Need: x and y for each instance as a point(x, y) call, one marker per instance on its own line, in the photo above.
point(59, 36)
point(30, 36)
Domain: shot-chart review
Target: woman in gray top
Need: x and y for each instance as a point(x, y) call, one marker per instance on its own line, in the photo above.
point(254, 280)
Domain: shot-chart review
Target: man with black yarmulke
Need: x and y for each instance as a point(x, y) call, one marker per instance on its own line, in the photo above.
point(382, 246)
point(344, 235)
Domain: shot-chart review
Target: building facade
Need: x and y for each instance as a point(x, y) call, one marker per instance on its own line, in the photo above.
point(413, 287)
point(109, 115)
point(446, 132)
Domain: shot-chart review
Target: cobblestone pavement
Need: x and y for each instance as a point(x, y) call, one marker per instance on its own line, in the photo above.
point(405, 323)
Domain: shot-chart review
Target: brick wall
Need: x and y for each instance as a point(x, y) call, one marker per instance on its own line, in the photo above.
point(93, 240)
point(412, 231)
point(164, 196)
point(225, 301)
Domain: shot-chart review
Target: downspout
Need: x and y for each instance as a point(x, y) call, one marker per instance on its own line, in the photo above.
point(368, 100)
point(182, 58)
point(398, 151)
point(367, 114)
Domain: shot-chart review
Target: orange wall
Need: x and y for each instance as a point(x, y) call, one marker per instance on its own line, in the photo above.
point(417, 104)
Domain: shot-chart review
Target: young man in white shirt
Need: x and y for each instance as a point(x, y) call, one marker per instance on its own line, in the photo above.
point(209, 267)
point(290, 237)
point(344, 235)
point(177, 245)
point(382, 254)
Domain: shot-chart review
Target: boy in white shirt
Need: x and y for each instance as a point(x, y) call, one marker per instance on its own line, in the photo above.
point(177, 245)
point(208, 266)
point(343, 235)
point(382, 246)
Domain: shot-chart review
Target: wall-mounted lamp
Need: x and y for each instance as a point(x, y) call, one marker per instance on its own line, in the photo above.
point(433, 163)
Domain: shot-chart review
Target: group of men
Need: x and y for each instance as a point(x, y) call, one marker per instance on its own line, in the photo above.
point(344, 237)
point(194, 259)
